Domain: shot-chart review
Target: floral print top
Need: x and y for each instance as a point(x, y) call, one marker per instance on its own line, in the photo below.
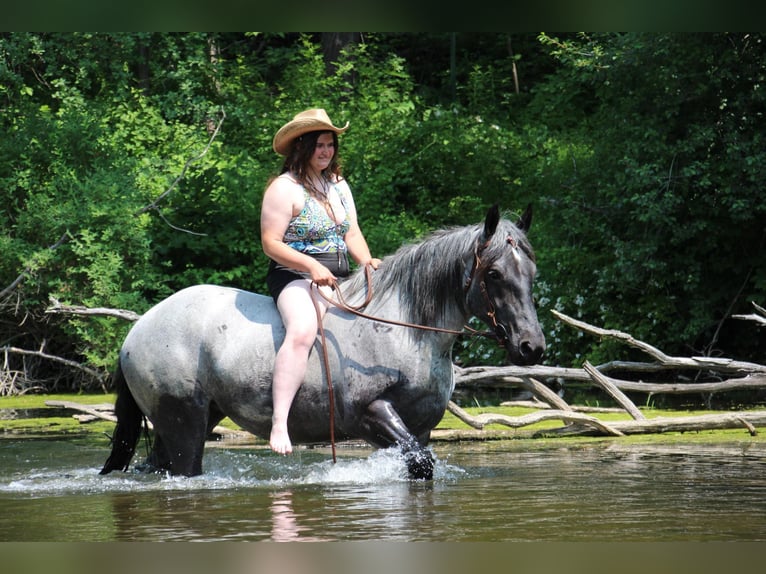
point(314, 231)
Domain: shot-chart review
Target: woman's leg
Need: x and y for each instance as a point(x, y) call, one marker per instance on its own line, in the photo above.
point(299, 317)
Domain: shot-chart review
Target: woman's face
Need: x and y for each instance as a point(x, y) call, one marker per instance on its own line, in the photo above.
point(323, 152)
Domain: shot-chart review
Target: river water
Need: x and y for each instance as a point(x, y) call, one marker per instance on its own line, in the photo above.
point(50, 490)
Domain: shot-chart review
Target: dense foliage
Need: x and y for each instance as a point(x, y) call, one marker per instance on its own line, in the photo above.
point(133, 165)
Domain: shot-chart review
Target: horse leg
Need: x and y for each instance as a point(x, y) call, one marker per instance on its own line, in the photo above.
point(383, 427)
point(180, 434)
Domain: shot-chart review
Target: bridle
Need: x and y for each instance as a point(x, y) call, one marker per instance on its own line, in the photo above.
point(500, 333)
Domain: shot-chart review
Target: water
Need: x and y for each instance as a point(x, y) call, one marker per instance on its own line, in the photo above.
point(50, 490)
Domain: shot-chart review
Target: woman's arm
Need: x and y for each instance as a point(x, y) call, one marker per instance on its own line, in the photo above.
point(354, 238)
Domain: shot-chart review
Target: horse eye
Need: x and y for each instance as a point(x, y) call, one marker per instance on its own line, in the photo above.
point(494, 274)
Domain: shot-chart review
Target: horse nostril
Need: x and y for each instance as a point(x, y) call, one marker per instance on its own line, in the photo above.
point(530, 353)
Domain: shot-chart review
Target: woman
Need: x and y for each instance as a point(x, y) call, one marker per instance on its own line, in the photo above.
point(308, 229)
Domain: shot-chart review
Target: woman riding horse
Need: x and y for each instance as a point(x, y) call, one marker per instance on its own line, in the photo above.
point(207, 352)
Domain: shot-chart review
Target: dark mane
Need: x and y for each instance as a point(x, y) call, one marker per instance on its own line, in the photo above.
point(428, 276)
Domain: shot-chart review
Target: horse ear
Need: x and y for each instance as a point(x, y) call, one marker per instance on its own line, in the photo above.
point(491, 221)
point(525, 221)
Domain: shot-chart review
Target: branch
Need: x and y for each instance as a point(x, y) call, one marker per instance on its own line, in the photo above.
point(482, 420)
point(626, 338)
point(750, 382)
point(728, 365)
point(105, 412)
point(746, 420)
point(54, 358)
point(608, 385)
point(154, 206)
point(758, 318)
point(515, 376)
point(535, 404)
point(755, 378)
point(57, 308)
point(545, 394)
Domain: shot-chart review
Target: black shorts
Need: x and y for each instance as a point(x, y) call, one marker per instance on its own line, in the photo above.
point(279, 276)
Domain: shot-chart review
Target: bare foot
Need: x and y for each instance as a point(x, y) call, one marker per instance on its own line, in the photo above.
point(280, 440)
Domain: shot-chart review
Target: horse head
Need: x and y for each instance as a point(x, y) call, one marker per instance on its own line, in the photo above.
point(499, 274)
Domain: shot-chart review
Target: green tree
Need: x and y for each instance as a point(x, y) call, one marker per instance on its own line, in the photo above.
point(655, 222)
point(133, 165)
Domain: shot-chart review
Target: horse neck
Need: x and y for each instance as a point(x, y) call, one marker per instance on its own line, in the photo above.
point(414, 289)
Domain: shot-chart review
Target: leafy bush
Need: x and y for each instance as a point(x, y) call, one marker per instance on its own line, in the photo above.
point(133, 165)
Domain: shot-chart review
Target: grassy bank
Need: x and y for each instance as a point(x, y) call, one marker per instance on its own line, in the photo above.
point(29, 416)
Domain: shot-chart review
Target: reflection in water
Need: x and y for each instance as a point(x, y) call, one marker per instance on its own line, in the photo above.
point(480, 492)
point(284, 524)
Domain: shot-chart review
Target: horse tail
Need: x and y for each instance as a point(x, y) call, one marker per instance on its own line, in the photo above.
point(128, 429)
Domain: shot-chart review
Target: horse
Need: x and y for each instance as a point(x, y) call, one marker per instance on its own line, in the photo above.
point(206, 352)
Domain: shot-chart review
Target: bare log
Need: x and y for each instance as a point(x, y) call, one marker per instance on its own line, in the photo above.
point(607, 384)
point(718, 364)
point(475, 376)
point(749, 382)
point(758, 318)
point(748, 421)
point(587, 425)
point(746, 375)
point(752, 376)
point(545, 394)
point(536, 404)
point(57, 308)
point(514, 376)
point(105, 412)
point(74, 364)
point(482, 420)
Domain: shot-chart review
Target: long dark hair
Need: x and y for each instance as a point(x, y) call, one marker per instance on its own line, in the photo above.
point(299, 157)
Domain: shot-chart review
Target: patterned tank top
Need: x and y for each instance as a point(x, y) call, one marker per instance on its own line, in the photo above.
point(314, 231)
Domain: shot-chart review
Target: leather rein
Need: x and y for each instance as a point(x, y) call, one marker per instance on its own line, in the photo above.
point(500, 333)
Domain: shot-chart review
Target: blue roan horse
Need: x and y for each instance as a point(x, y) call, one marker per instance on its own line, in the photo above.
point(206, 352)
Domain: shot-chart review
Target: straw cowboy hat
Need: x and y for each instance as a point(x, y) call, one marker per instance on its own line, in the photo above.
point(304, 122)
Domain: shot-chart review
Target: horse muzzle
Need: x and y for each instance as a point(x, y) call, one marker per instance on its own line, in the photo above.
point(528, 350)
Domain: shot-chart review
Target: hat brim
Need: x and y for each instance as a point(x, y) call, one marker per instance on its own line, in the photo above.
point(296, 128)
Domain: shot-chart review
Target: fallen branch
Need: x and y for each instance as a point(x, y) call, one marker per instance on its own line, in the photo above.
point(73, 364)
point(514, 376)
point(586, 425)
point(748, 421)
point(751, 376)
point(576, 408)
point(57, 307)
point(758, 318)
point(482, 420)
point(725, 365)
point(607, 384)
point(526, 377)
point(106, 412)
point(749, 382)
point(545, 394)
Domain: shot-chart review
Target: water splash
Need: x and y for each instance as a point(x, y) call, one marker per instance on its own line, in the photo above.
point(229, 469)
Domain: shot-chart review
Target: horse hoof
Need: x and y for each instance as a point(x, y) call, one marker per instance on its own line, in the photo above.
point(420, 465)
point(146, 468)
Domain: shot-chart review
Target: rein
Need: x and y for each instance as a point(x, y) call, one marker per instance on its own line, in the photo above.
point(500, 333)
